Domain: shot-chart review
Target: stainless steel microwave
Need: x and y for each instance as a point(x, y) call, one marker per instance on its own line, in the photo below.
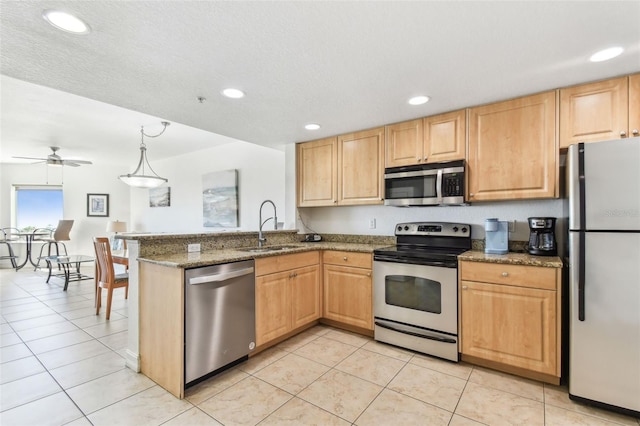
point(425, 184)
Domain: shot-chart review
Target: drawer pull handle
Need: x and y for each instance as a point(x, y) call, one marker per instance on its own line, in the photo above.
point(505, 274)
point(464, 287)
point(344, 258)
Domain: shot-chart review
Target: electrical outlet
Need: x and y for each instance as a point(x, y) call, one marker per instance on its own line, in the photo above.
point(192, 248)
point(512, 226)
point(372, 223)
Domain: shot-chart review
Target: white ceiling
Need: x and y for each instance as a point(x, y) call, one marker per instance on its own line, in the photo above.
point(345, 65)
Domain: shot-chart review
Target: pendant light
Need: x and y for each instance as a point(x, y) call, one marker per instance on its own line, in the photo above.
point(138, 178)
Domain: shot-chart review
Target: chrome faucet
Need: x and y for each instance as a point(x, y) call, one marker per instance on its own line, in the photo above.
point(261, 239)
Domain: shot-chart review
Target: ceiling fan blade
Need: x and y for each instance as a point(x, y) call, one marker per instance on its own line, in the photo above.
point(30, 158)
point(70, 163)
point(77, 161)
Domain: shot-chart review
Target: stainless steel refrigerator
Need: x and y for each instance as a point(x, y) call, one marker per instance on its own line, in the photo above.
point(604, 274)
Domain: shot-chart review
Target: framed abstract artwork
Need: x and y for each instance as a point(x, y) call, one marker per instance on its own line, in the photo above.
point(220, 199)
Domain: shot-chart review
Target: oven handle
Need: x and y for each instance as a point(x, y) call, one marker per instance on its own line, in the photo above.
point(424, 336)
point(414, 261)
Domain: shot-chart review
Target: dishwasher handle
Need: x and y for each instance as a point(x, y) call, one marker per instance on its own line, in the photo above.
point(214, 278)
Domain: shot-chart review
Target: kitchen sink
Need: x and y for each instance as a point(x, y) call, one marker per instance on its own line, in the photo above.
point(267, 249)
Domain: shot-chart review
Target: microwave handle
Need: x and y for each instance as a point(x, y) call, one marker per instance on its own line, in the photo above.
point(439, 186)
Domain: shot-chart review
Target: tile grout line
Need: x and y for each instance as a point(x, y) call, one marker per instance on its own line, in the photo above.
point(48, 371)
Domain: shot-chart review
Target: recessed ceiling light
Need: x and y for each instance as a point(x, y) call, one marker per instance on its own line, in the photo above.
point(419, 100)
point(606, 54)
point(66, 22)
point(233, 93)
point(312, 126)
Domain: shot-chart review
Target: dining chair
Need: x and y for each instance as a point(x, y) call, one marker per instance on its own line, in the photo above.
point(55, 239)
point(7, 236)
point(106, 278)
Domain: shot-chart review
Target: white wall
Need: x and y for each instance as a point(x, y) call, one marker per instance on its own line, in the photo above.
point(76, 182)
point(261, 176)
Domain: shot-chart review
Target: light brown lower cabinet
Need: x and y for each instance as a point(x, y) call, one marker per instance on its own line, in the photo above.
point(510, 318)
point(287, 294)
point(347, 286)
point(161, 325)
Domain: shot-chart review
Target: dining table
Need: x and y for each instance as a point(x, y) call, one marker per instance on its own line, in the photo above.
point(29, 238)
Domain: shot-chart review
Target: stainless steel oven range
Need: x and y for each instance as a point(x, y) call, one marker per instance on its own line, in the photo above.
point(415, 287)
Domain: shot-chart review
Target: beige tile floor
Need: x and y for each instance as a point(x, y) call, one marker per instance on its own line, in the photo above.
point(62, 364)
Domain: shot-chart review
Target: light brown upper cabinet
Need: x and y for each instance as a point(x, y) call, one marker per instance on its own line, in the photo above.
point(600, 111)
point(426, 140)
point(344, 170)
point(513, 149)
point(317, 172)
point(445, 137)
point(403, 143)
point(361, 167)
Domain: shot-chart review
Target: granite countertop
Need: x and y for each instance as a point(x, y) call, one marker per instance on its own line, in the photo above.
point(226, 255)
point(512, 258)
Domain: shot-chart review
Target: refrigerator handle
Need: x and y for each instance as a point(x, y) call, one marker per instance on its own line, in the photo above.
point(581, 234)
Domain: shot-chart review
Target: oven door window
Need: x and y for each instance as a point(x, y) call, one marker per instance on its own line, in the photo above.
point(416, 293)
point(411, 187)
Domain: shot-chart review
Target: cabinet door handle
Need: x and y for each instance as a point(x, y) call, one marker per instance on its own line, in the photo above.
point(470, 194)
point(505, 274)
point(635, 132)
point(623, 134)
point(418, 159)
point(425, 158)
point(368, 274)
point(344, 258)
point(464, 287)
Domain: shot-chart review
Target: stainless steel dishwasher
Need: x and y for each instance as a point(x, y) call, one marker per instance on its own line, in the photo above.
point(220, 318)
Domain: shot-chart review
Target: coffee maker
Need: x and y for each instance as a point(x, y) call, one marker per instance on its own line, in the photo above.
point(542, 236)
point(496, 236)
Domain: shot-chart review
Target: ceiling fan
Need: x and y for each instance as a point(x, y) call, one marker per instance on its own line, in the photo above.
point(55, 160)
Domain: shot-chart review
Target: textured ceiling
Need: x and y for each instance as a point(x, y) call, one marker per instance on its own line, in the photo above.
point(344, 65)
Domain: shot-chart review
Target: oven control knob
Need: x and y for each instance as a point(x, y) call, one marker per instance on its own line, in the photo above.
point(406, 228)
point(464, 229)
point(455, 229)
point(399, 228)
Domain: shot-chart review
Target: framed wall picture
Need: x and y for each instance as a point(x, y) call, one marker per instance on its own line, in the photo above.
point(220, 199)
point(160, 197)
point(98, 205)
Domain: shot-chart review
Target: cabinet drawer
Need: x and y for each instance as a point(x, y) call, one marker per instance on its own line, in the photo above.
point(358, 260)
point(517, 275)
point(272, 264)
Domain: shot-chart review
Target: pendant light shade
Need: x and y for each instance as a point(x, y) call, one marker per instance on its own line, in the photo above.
point(141, 178)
